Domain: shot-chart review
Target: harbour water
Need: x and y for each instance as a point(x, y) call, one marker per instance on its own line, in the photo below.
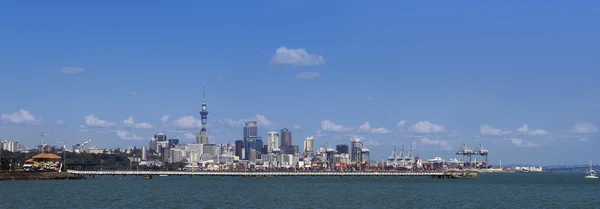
point(521, 190)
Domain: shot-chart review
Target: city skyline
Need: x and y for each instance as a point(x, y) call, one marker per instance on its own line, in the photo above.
point(513, 79)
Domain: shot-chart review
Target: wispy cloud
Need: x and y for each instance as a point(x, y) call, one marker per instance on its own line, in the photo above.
point(519, 142)
point(125, 135)
point(261, 120)
point(132, 124)
point(366, 127)
point(92, 121)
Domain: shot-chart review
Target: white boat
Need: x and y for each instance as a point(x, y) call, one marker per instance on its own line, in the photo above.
point(591, 173)
point(163, 175)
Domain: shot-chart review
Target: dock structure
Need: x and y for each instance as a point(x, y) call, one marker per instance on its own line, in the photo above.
point(448, 175)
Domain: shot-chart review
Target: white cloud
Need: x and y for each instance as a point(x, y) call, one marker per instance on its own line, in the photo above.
point(297, 57)
point(125, 135)
point(297, 127)
point(584, 128)
point(261, 120)
point(164, 118)
point(93, 121)
point(134, 93)
point(319, 133)
point(522, 143)
point(487, 130)
point(131, 124)
point(187, 122)
point(366, 127)
point(20, 117)
point(189, 136)
point(442, 144)
point(401, 124)
point(308, 75)
point(328, 125)
point(60, 122)
point(71, 70)
point(524, 130)
point(426, 127)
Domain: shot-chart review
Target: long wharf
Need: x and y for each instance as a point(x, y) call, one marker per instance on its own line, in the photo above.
point(148, 174)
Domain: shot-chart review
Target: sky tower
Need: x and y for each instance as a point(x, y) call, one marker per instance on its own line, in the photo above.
point(202, 137)
point(204, 112)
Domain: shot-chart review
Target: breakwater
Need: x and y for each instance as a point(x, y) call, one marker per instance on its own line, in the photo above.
point(28, 175)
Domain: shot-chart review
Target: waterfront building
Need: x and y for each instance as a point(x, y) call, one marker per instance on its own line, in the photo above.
point(273, 142)
point(309, 144)
point(286, 138)
point(44, 161)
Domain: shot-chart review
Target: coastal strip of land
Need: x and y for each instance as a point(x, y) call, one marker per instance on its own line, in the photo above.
point(28, 175)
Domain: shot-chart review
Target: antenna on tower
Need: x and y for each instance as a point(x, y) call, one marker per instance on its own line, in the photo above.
point(204, 92)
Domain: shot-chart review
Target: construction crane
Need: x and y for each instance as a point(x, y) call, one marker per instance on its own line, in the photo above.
point(79, 147)
point(43, 142)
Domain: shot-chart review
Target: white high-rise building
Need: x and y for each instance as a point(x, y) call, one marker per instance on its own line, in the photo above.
point(309, 144)
point(144, 157)
point(273, 141)
point(9, 146)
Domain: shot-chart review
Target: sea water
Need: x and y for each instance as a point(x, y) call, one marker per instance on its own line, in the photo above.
point(522, 190)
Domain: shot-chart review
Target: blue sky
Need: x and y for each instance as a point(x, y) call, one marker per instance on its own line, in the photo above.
point(456, 73)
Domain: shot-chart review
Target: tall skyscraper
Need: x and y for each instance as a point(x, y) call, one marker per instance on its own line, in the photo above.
point(309, 144)
point(250, 136)
point(202, 137)
point(356, 150)
point(273, 141)
point(160, 136)
point(250, 129)
point(258, 145)
point(286, 138)
point(239, 147)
